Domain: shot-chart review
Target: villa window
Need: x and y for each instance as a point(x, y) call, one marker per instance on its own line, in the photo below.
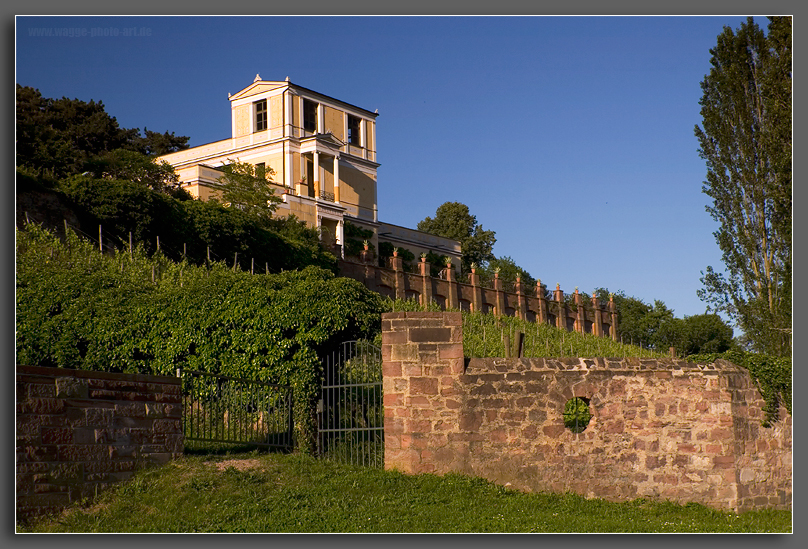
point(261, 115)
point(261, 170)
point(354, 135)
point(309, 115)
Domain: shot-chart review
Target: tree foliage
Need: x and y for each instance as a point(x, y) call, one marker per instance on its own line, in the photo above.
point(78, 308)
point(508, 270)
point(241, 186)
point(745, 140)
point(188, 228)
point(60, 136)
point(656, 326)
point(453, 220)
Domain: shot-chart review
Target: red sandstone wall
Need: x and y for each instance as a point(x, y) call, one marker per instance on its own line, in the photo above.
point(660, 428)
point(79, 431)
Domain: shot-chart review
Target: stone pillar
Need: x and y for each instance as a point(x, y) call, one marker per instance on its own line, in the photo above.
point(500, 299)
point(422, 357)
point(542, 312)
point(316, 170)
point(426, 282)
point(561, 308)
point(476, 292)
point(613, 313)
point(580, 317)
point(397, 264)
point(597, 327)
point(336, 178)
point(452, 301)
point(521, 299)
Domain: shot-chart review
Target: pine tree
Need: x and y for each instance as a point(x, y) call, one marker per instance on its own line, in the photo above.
point(746, 142)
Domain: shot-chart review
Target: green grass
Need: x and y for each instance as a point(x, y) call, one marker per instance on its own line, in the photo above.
point(295, 493)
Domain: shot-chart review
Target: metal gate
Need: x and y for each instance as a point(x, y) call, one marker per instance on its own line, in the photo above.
point(223, 410)
point(351, 410)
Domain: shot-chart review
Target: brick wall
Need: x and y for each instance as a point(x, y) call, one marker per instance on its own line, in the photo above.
point(660, 428)
point(79, 431)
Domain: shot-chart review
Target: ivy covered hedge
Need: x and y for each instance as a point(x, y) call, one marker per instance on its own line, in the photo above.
point(772, 375)
point(77, 308)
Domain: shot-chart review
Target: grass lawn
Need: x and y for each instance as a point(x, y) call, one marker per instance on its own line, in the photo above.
point(255, 492)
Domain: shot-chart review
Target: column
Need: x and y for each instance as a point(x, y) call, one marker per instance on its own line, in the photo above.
point(561, 318)
point(542, 312)
point(580, 317)
point(316, 156)
point(300, 186)
point(288, 172)
point(521, 300)
point(426, 283)
point(336, 178)
point(452, 301)
point(598, 327)
point(320, 118)
point(500, 304)
point(287, 114)
point(613, 313)
point(476, 292)
point(341, 237)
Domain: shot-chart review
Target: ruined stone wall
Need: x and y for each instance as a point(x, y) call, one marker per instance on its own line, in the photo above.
point(79, 431)
point(660, 428)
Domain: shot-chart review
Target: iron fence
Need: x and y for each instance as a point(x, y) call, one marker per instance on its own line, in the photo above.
point(351, 410)
point(229, 410)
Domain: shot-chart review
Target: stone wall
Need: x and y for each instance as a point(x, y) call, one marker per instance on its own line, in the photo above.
point(660, 428)
point(588, 315)
point(79, 431)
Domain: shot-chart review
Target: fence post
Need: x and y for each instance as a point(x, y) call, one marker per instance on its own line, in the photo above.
point(100, 240)
point(521, 299)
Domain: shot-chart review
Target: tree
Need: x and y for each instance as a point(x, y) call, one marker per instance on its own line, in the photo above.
point(134, 166)
point(244, 188)
point(508, 269)
point(453, 220)
point(59, 137)
point(746, 143)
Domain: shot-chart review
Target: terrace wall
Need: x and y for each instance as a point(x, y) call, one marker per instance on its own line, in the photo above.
point(660, 428)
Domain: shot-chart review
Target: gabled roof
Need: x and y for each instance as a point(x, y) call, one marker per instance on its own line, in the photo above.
point(262, 86)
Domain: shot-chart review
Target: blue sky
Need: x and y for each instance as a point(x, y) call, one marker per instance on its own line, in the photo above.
point(571, 137)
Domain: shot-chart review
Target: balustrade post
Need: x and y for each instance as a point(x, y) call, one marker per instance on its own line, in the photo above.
point(580, 317)
point(561, 307)
point(426, 281)
point(542, 316)
point(398, 266)
point(452, 300)
point(500, 299)
point(598, 326)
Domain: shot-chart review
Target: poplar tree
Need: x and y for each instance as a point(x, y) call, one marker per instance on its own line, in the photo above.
point(745, 140)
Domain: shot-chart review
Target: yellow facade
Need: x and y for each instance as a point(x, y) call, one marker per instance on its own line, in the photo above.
point(322, 151)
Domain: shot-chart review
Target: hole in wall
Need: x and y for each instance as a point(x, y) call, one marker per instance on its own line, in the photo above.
point(577, 414)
